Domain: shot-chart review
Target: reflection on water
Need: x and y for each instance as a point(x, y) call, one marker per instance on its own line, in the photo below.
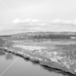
point(24, 67)
point(8, 56)
point(2, 52)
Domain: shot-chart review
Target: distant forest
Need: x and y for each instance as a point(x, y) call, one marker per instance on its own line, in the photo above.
point(42, 35)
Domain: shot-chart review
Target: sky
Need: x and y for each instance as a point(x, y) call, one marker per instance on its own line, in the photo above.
point(37, 15)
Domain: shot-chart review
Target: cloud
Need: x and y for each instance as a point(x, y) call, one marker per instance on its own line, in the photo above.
point(29, 22)
point(21, 25)
point(53, 25)
point(17, 20)
point(63, 21)
point(40, 22)
point(25, 25)
point(26, 20)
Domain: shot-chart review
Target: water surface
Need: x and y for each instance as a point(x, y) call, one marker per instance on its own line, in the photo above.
point(11, 65)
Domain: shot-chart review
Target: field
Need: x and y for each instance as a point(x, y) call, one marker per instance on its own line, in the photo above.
point(56, 50)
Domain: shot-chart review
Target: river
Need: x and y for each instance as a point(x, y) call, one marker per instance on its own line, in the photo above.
point(11, 65)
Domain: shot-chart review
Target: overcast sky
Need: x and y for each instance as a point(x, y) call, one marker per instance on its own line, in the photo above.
point(17, 14)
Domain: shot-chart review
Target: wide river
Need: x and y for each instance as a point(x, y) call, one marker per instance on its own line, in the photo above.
point(11, 65)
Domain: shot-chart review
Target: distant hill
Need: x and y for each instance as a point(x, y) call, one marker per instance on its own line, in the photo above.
point(42, 35)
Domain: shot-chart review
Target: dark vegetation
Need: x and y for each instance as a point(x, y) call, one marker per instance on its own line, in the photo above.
point(41, 35)
point(2, 42)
